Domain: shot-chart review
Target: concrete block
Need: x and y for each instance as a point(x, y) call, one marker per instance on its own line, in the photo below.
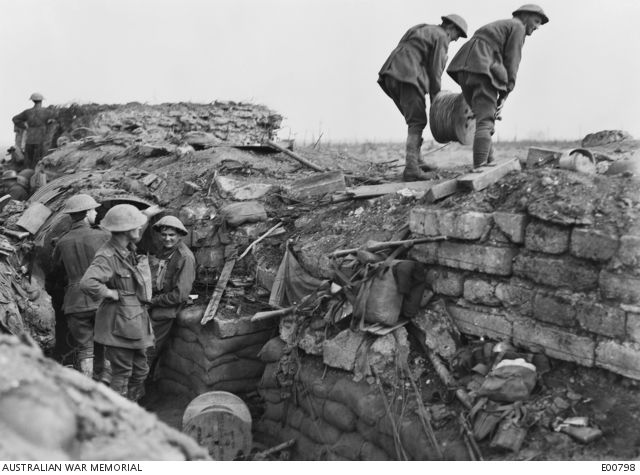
point(557, 343)
point(486, 259)
point(601, 319)
point(545, 237)
point(593, 244)
point(340, 352)
point(633, 326)
point(426, 253)
point(517, 294)
point(481, 292)
point(511, 224)
point(445, 281)
point(629, 252)
point(556, 271)
point(481, 321)
point(622, 287)
point(468, 225)
point(621, 358)
point(557, 308)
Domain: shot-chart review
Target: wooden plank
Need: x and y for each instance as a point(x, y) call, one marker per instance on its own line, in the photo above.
point(295, 156)
point(212, 308)
point(542, 156)
point(441, 190)
point(318, 185)
point(369, 191)
point(485, 176)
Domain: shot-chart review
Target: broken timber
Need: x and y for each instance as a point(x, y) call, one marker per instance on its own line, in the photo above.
point(370, 191)
point(441, 190)
point(295, 156)
point(318, 185)
point(378, 246)
point(212, 308)
point(484, 176)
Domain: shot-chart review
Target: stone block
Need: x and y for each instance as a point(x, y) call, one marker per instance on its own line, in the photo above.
point(427, 253)
point(629, 252)
point(556, 271)
point(481, 321)
point(601, 319)
point(593, 244)
point(633, 326)
point(557, 343)
point(511, 224)
point(622, 287)
point(545, 237)
point(621, 358)
point(557, 308)
point(445, 281)
point(516, 293)
point(468, 225)
point(475, 257)
point(481, 292)
point(436, 330)
point(340, 351)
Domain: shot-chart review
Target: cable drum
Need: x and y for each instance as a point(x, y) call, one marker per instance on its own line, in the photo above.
point(451, 119)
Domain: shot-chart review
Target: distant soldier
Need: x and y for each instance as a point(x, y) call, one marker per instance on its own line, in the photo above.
point(413, 70)
point(73, 253)
point(175, 271)
point(15, 185)
point(122, 280)
point(486, 67)
point(33, 122)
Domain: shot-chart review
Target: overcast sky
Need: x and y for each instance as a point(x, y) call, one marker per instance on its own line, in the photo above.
point(313, 61)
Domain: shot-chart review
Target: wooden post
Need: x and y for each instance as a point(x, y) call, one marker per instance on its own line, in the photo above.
point(212, 308)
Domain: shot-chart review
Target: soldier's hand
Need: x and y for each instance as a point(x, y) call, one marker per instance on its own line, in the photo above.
point(113, 295)
point(152, 210)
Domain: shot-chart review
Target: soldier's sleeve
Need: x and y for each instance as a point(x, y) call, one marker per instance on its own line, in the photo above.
point(93, 282)
point(20, 119)
point(513, 54)
point(436, 67)
point(184, 281)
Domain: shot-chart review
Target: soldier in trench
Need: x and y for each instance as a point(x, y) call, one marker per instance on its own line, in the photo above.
point(486, 67)
point(174, 271)
point(413, 70)
point(72, 255)
point(121, 279)
point(34, 122)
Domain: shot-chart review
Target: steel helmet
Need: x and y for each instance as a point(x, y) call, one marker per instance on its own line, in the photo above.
point(172, 222)
point(27, 173)
point(36, 97)
point(123, 218)
point(458, 21)
point(9, 175)
point(532, 8)
point(78, 203)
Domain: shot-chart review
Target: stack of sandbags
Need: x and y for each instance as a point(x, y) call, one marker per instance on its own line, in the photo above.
point(221, 355)
point(330, 416)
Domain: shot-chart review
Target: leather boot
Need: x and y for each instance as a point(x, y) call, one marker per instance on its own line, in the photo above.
point(86, 367)
point(105, 373)
point(136, 392)
point(412, 171)
point(490, 156)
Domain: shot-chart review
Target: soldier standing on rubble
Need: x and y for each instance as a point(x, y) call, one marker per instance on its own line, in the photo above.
point(413, 70)
point(175, 271)
point(486, 68)
point(122, 280)
point(73, 253)
point(34, 123)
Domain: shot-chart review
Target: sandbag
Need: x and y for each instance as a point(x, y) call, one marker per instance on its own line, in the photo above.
point(272, 350)
point(378, 299)
point(236, 214)
point(509, 381)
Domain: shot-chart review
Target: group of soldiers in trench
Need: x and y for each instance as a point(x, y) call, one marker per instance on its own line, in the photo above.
point(120, 305)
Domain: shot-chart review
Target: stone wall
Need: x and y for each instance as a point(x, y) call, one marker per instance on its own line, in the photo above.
point(571, 289)
point(218, 356)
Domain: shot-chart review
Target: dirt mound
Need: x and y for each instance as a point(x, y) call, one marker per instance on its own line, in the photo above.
point(605, 137)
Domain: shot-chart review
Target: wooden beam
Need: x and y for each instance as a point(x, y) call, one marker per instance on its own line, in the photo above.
point(441, 190)
point(487, 175)
point(295, 156)
point(318, 185)
point(369, 191)
point(212, 308)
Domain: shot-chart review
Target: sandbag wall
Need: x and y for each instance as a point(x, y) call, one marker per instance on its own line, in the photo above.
point(572, 289)
point(332, 417)
point(218, 356)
